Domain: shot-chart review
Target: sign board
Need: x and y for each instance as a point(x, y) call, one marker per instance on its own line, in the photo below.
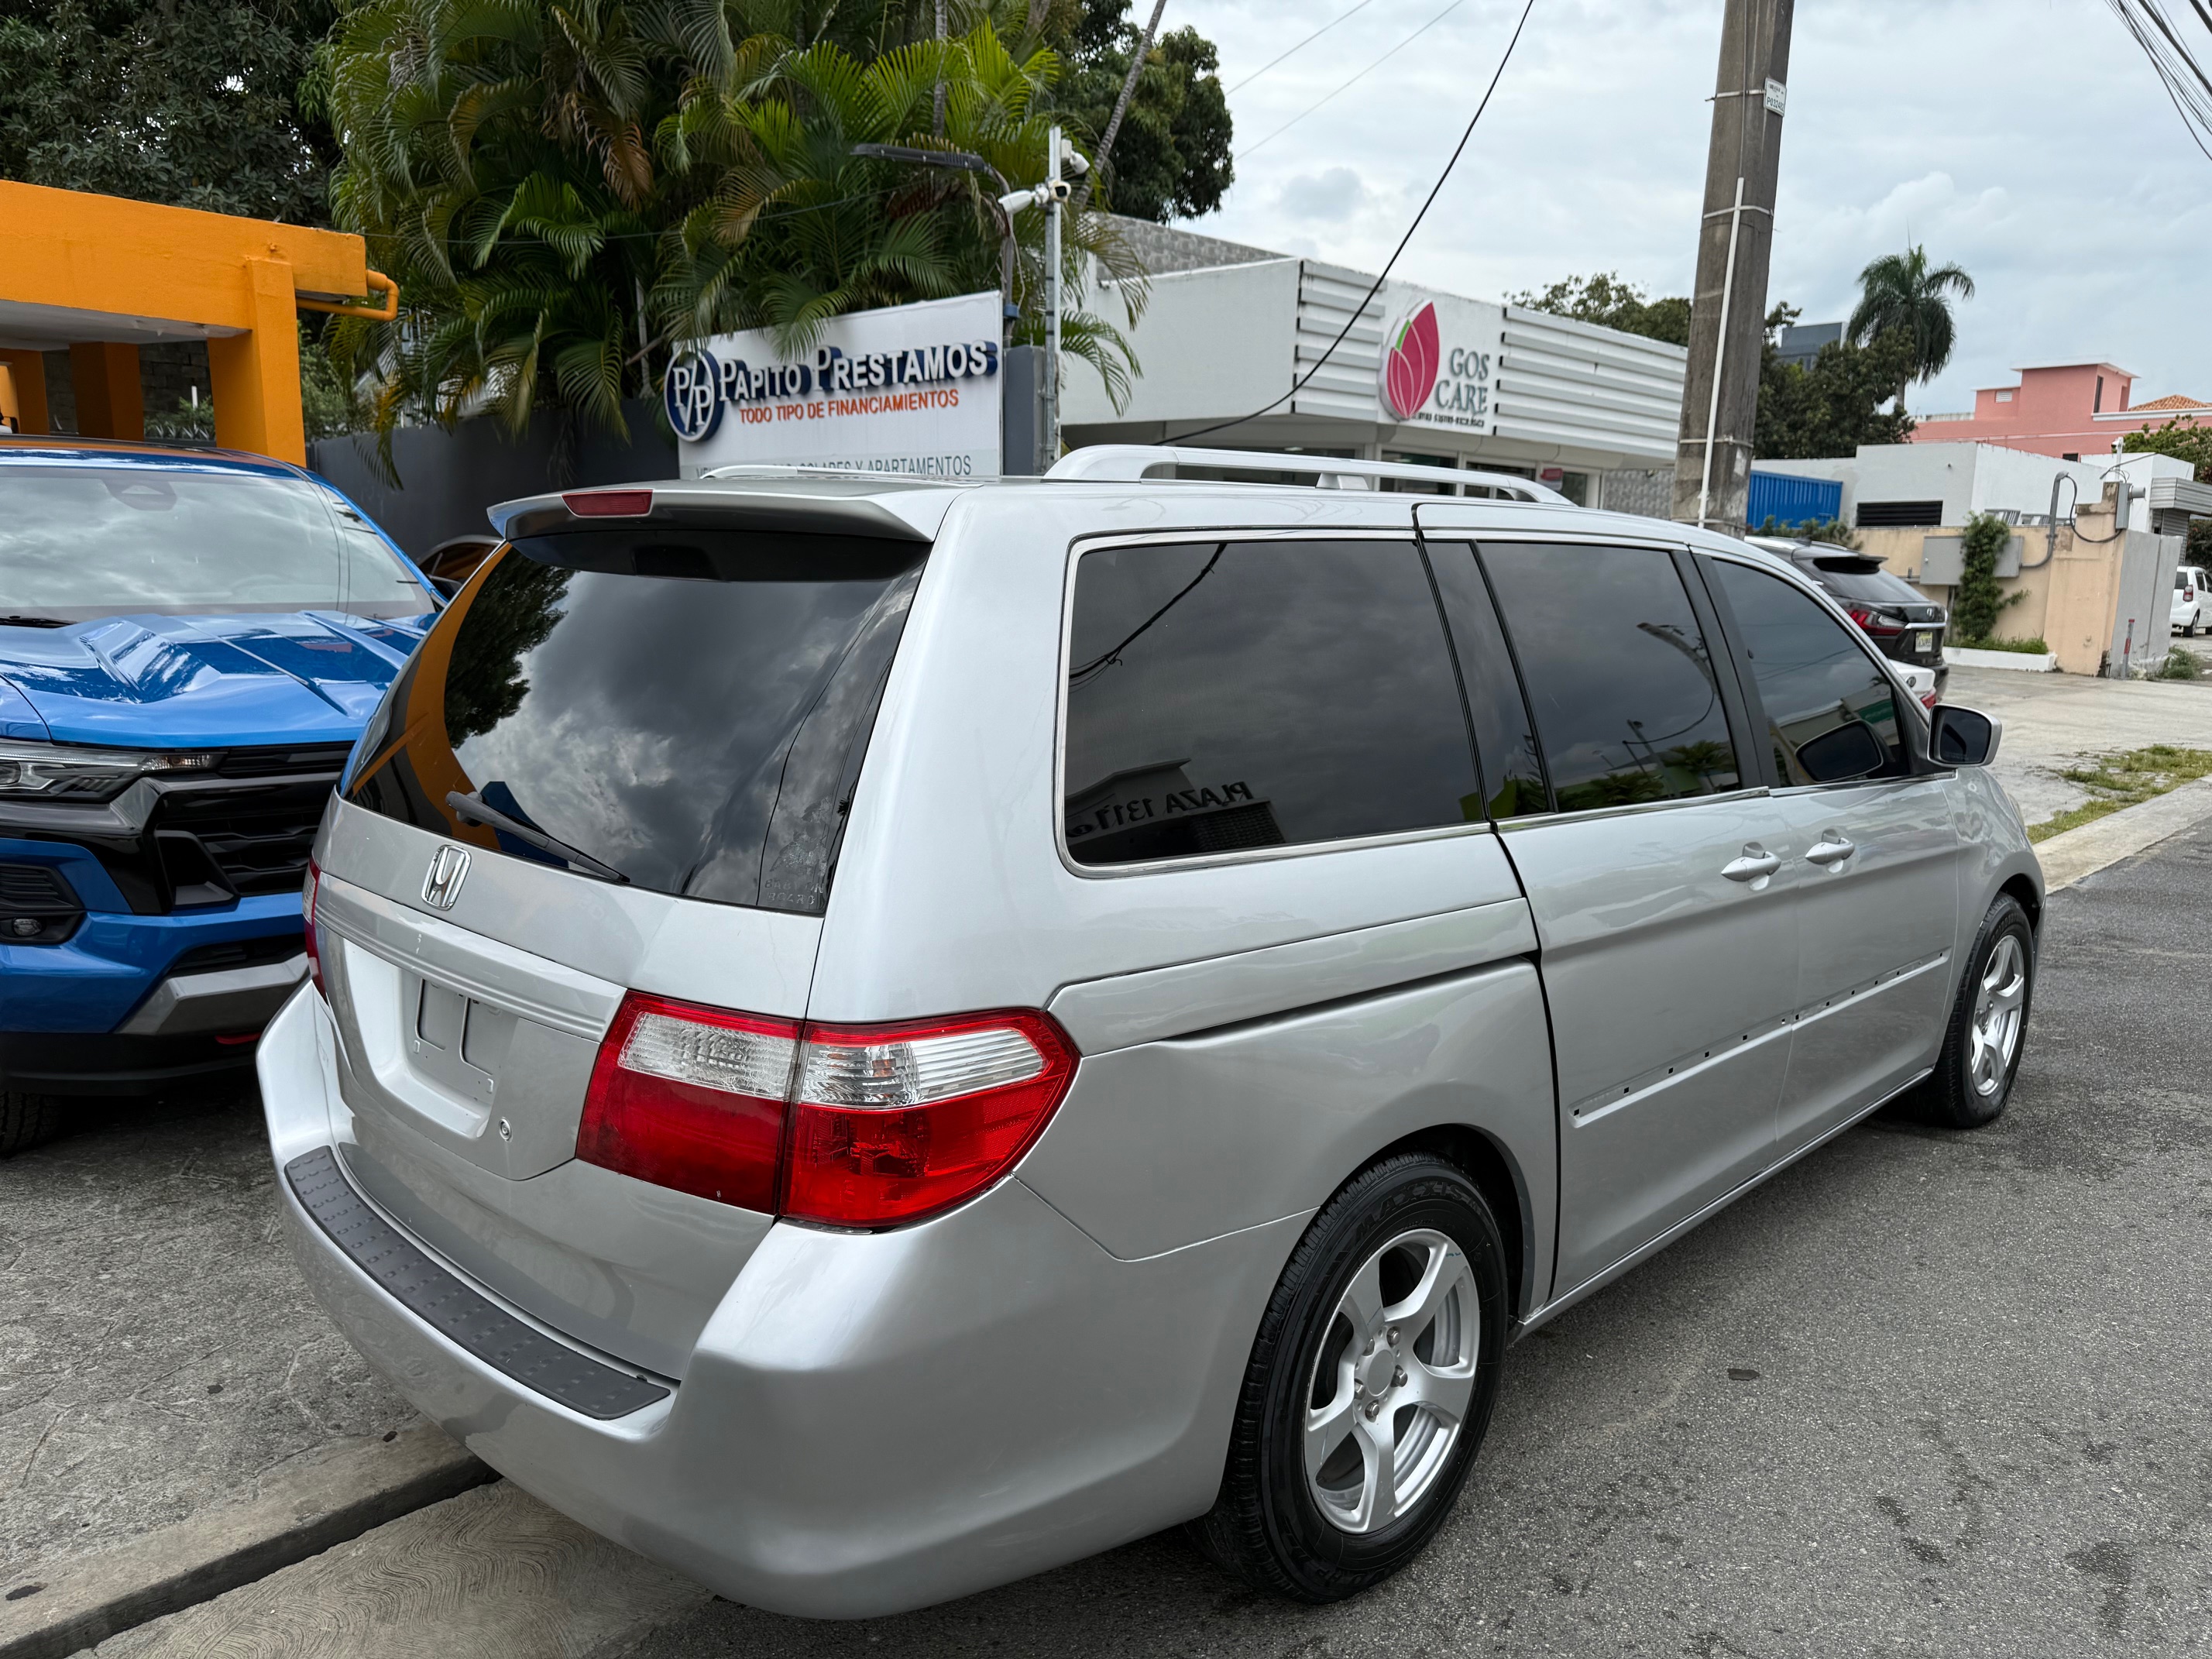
point(912, 389)
point(1440, 354)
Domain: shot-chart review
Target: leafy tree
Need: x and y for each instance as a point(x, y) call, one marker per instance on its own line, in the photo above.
point(2181, 438)
point(1830, 533)
point(2199, 545)
point(1606, 299)
point(1171, 157)
point(567, 195)
point(1977, 600)
point(1833, 404)
point(194, 103)
point(1901, 293)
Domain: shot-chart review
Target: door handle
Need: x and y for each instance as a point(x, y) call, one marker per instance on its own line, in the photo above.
point(1831, 849)
point(1756, 865)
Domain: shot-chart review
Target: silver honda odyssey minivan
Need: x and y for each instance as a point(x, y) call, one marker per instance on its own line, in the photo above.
point(868, 1037)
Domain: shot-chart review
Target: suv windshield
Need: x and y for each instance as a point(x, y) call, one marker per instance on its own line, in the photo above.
point(1863, 579)
point(83, 541)
point(686, 708)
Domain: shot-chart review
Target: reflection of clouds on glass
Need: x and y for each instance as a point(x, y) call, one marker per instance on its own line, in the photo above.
point(78, 538)
point(657, 713)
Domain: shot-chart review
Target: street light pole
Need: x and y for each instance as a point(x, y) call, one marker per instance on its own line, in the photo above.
point(1055, 193)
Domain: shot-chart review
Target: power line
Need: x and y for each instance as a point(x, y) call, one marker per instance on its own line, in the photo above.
point(1300, 45)
point(1359, 310)
point(1455, 4)
point(2188, 87)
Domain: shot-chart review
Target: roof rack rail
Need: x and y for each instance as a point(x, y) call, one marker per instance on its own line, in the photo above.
point(1129, 463)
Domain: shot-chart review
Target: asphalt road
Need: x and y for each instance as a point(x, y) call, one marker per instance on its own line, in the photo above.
point(1925, 1393)
point(158, 1351)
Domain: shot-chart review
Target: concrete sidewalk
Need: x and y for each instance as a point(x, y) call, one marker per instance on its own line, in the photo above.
point(2053, 721)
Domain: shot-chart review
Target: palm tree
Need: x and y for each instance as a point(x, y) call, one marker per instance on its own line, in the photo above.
point(1900, 291)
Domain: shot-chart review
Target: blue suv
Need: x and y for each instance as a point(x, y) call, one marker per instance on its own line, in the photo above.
point(190, 643)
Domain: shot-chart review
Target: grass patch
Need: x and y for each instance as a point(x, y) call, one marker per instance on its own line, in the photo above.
point(2025, 647)
point(2180, 664)
point(2127, 779)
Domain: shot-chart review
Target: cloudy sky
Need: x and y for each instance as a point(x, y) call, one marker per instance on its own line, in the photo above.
point(2028, 140)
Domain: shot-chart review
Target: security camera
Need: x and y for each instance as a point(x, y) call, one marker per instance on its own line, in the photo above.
point(1061, 189)
point(1073, 165)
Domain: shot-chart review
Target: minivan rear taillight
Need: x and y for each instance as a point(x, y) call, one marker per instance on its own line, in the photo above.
point(857, 1126)
point(1882, 625)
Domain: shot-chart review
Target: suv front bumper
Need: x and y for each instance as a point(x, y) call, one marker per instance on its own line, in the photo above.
point(870, 1422)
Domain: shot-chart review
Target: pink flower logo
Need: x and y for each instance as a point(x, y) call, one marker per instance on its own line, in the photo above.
point(1409, 367)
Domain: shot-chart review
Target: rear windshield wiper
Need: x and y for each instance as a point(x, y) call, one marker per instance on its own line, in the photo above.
point(474, 810)
point(33, 622)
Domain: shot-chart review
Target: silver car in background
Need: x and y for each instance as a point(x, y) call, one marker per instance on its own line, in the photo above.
point(872, 1037)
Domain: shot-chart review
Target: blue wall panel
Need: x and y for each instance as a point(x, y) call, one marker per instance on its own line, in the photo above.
point(1793, 499)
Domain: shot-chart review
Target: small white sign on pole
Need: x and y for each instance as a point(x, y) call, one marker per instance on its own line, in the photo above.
point(909, 389)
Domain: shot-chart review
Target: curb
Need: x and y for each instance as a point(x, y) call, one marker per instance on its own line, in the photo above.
point(300, 1511)
point(2080, 852)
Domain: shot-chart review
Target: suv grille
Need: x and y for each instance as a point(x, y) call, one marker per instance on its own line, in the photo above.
point(271, 762)
point(258, 848)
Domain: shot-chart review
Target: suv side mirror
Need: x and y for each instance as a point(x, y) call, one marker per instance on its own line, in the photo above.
point(1963, 737)
point(1842, 753)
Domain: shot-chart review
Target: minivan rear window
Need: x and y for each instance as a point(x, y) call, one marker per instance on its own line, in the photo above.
point(686, 706)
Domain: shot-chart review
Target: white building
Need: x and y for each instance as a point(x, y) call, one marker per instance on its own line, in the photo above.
point(1897, 486)
point(1422, 376)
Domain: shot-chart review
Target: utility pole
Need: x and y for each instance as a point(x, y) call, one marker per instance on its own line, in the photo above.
point(1727, 318)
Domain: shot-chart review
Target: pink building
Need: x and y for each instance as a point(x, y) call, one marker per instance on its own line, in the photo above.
point(2072, 411)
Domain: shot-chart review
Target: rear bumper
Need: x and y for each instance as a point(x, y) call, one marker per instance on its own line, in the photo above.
point(869, 1422)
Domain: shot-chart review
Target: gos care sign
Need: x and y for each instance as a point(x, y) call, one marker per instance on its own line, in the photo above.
point(1439, 355)
point(912, 389)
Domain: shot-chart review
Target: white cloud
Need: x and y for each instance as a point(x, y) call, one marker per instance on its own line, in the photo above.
point(1328, 197)
point(2027, 140)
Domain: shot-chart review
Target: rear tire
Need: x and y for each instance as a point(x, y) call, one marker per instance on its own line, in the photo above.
point(26, 1120)
point(1392, 1310)
point(1988, 1033)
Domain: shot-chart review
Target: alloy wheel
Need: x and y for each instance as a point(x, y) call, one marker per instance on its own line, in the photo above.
point(1392, 1385)
point(1999, 1006)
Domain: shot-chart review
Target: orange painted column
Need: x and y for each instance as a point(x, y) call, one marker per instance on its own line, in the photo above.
point(109, 403)
point(255, 376)
point(27, 369)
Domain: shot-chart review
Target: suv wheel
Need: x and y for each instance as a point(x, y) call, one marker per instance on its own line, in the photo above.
point(1989, 1023)
point(26, 1120)
point(1370, 1387)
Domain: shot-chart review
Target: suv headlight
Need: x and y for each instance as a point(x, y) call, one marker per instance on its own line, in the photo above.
point(53, 771)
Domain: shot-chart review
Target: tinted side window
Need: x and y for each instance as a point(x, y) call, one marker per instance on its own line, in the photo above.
point(1512, 764)
point(1620, 677)
point(1811, 675)
point(1229, 695)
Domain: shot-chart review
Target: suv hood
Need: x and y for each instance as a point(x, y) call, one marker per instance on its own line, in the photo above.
point(167, 681)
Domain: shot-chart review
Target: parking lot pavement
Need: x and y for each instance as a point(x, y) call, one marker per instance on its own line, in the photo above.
point(158, 1351)
point(1924, 1393)
point(2053, 721)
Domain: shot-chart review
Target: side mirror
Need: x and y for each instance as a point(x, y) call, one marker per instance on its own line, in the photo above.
point(1963, 737)
point(1842, 753)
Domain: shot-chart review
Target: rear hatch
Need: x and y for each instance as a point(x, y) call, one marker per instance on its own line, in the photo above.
point(1896, 615)
point(681, 705)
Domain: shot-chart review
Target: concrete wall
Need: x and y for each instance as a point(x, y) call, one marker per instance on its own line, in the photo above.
point(2096, 597)
point(449, 480)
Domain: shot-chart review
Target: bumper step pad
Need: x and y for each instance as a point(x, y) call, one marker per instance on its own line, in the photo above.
point(459, 1314)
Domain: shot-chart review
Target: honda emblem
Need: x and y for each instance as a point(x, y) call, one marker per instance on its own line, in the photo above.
point(449, 864)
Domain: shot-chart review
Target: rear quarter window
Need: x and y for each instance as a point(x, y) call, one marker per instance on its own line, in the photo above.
point(1224, 696)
